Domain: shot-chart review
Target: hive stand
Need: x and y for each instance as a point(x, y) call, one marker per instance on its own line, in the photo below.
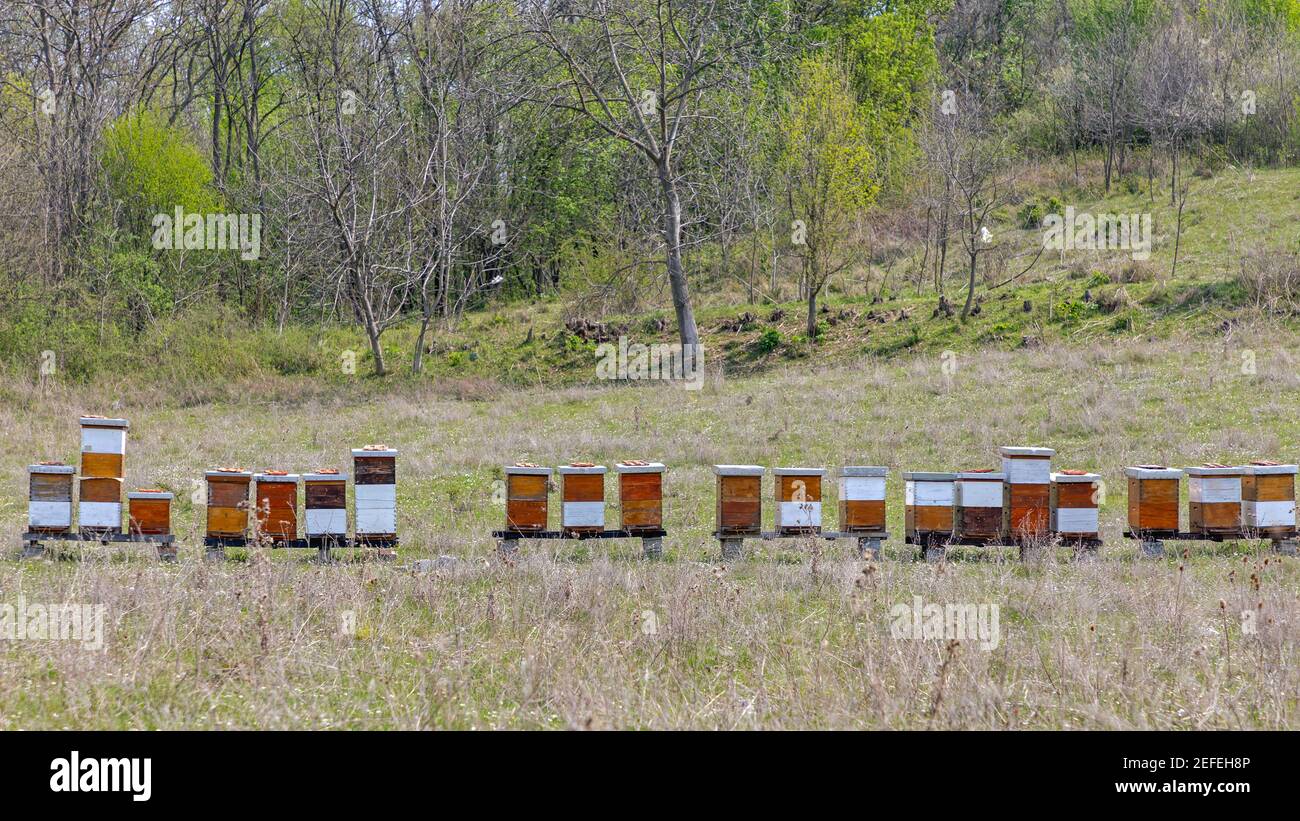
point(732, 546)
point(34, 543)
point(1151, 544)
point(652, 541)
point(386, 548)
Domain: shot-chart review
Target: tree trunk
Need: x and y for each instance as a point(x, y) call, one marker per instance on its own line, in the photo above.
point(970, 286)
point(686, 329)
point(812, 314)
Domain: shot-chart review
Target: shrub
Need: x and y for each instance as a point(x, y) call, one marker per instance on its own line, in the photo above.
point(769, 340)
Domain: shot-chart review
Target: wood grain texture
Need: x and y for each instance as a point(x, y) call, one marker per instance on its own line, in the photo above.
point(640, 487)
point(526, 514)
point(1271, 487)
point(980, 522)
point(1152, 504)
point(862, 515)
point(326, 495)
point(227, 521)
point(1076, 494)
point(102, 465)
point(642, 514)
point(227, 493)
point(1028, 509)
point(50, 487)
point(929, 519)
point(787, 485)
point(150, 516)
point(277, 509)
point(526, 486)
point(101, 490)
point(740, 487)
point(375, 470)
point(1211, 517)
point(582, 487)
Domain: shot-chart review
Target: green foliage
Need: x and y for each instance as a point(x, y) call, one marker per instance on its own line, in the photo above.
point(152, 168)
point(769, 340)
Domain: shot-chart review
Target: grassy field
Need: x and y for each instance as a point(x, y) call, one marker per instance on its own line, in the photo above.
point(590, 636)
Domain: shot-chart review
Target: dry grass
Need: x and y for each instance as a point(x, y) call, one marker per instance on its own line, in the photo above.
point(786, 640)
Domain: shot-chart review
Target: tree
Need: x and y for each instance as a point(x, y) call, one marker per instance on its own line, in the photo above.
point(828, 168)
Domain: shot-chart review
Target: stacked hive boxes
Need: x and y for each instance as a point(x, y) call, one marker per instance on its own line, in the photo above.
point(227, 503)
point(1153, 500)
point(928, 506)
point(1027, 491)
point(1268, 499)
point(798, 500)
point(640, 495)
point(1074, 504)
point(527, 493)
point(103, 461)
point(1214, 499)
point(275, 494)
point(582, 495)
point(980, 514)
point(862, 498)
point(325, 500)
point(740, 500)
point(49, 498)
point(375, 468)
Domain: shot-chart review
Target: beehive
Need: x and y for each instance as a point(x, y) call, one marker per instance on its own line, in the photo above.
point(228, 503)
point(862, 498)
point(275, 497)
point(798, 499)
point(325, 502)
point(49, 498)
point(149, 512)
point(928, 505)
point(1027, 491)
point(1153, 500)
point(1268, 499)
point(527, 493)
point(977, 497)
point(582, 497)
point(740, 500)
point(103, 460)
point(1074, 504)
point(640, 495)
point(1214, 499)
point(375, 467)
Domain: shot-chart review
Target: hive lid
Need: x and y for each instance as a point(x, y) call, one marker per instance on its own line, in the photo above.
point(375, 451)
point(228, 473)
point(319, 476)
point(276, 476)
point(1021, 451)
point(1153, 472)
point(864, 470)
point(738, 470)
point(92, 421)
point(798, 471)
point(1215, 470)
point(151, 494)
point(929, 476)
point(527, 469)
point(1074, 476)
point(987, 474)
point(639, 466)
point(1269, 468)
point(581, 469)
point(58, 468)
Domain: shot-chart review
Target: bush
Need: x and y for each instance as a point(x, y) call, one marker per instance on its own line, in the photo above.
point(768, 341)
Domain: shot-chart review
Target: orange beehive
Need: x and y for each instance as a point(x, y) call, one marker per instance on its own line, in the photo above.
point(978, 499)
point(862, 498)
point(275, 494)
point(798, 499)
point(582, 495)
point(228, 503)
point(640, 495)
point(49, 500)
point(527, 493)
point(1027, 492)
point(1153, 500)
point(740, 500)
point(1074, 504)
point(1214, 499)
point(928, 506)
point(149, 512)
point(1268, 499)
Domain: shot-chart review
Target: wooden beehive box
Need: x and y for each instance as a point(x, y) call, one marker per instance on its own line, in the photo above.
point(862, 498)
point(1268, 499)
point(149, 512)
point(640, 495)
point(375, 468)
point(1027, 491)
point(325, 504)
point(798, 499)
point(740, 500)
point(228, 503)
point(527, 493)
point(275, 498)
point(103, 460)
point(928, 506)
point(1074, 504)
point(49, 498)
point(1214, 499)
point(582, 497)
point(1153, 500)
point(980, 511)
